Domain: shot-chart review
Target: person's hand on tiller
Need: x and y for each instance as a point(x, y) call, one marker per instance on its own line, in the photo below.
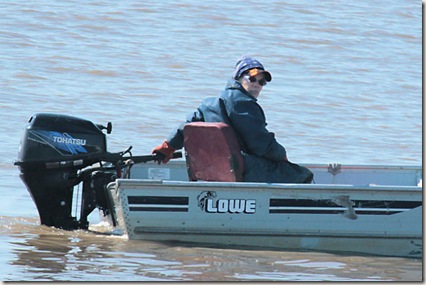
point(165, 150)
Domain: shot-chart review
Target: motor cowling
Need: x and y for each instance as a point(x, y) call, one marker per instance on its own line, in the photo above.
point(52, 151)
point(67, 140)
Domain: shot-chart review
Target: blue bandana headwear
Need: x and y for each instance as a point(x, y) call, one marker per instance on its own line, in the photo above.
point(246, 63)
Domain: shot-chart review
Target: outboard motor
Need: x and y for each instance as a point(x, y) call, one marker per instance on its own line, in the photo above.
point(53, 153)
point(59, 152)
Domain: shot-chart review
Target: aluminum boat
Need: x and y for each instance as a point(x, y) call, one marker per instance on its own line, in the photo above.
point(367, 209)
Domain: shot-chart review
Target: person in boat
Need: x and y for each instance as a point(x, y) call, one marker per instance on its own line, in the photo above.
point(265, 160)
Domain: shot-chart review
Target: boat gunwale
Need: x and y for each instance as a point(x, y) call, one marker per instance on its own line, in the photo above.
point(256, 185)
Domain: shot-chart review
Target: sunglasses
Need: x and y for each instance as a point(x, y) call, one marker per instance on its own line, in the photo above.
point(253, 79)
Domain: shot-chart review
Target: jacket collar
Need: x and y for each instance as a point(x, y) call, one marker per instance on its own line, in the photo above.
point(235, 85)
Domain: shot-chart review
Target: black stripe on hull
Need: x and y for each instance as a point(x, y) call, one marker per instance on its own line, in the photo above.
point(361, 207)
point(155, 209)
point(158, 204)
point(158, 200)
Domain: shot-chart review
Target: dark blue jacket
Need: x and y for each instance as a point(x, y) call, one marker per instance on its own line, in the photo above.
point(263, 155)
point(237, 108)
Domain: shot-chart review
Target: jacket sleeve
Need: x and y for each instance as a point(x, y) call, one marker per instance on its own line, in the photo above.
point(249, 121)
point(175, 138)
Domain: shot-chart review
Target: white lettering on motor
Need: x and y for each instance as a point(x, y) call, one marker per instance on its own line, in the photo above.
point(69, 140)
point(231, 206)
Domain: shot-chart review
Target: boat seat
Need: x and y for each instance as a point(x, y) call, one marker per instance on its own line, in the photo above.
point(212, 152)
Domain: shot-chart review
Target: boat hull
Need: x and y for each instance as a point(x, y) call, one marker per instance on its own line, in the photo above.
point(379, 220)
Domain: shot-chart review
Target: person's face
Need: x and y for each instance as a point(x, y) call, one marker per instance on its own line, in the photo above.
point(254, 84)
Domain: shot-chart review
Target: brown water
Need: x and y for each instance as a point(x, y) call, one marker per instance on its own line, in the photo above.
point(38, 253)
point(346, 89)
